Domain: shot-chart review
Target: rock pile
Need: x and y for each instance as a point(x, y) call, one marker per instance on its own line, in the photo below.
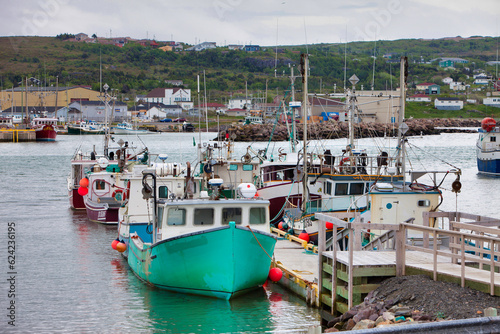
point(333, 129)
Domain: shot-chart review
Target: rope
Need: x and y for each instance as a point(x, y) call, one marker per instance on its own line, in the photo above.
point(272, 260)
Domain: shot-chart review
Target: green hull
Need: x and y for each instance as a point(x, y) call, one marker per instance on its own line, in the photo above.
point(220, 262)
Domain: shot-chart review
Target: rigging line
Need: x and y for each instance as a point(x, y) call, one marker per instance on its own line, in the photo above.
point(436, 157)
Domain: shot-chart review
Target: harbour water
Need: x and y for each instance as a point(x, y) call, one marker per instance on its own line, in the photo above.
point(66, 278)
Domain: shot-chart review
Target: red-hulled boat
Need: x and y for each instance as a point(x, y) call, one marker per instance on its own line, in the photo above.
point(45, 128)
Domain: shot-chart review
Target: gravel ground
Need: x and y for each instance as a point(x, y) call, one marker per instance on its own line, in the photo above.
point(437, 299)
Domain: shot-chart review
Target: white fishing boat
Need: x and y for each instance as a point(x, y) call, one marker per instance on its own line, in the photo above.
point(488, 148)
point(125, 128)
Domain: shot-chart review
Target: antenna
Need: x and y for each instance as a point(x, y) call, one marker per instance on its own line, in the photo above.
point(276, 59)
point(374, 57)
point(345, 58)
point(305, 33)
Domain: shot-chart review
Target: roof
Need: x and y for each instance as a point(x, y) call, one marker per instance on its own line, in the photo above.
point(99, 103)
point(211, 105)
point(44, 89)
point(157, 92)
point(447, 98)
point(419, 95)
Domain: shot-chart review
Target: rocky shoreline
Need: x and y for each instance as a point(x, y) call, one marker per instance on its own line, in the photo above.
point(333, 129)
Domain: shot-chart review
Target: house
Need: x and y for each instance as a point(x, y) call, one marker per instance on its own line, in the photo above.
point(175, 82)
point(161, 111)
point(211, 106)
point(239, 103)
point(236, 112)
point(448, 103)
point(447, 80)
point(81, 37)
point(96, 110)
point(202, 46)
point(418, 98)
point(234, 47)
point(251, 48)
point(429, 88)
point(482, 79)
point(148, 42)
point(458, 86)
point(492, 102)
point(450, 62)
point(170, 96)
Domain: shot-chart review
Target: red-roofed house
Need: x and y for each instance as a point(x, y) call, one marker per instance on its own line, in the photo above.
point(236, 112)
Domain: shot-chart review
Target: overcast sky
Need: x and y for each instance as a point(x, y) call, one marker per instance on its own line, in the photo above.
point(262, 22)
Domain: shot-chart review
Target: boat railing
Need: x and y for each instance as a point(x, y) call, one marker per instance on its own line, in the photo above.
point(358, 164)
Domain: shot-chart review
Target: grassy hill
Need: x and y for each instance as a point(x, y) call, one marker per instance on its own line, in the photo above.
point(135, 69)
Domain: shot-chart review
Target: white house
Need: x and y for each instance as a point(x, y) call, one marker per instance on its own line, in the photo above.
point(448, 103)
point(171, 96)
point(419, 98)
point(202, 46)
point(239, 104)
point(482, 80)
point(458, 86)
point(161, 111)
point(447, 80)
point(96, 110)
point(492, 102)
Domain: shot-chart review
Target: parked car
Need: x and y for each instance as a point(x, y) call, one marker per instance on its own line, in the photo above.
point(166, 120)
point(179, 120)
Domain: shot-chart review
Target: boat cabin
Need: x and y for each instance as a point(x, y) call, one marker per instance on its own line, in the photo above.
point(179, 217)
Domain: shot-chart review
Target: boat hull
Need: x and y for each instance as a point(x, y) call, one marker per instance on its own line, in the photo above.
point(103, 213)
point(220, 262)
point(76, 200)
point(47, 133)
point(488, 167)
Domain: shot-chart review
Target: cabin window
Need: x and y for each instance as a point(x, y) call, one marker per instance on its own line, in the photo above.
point(247, 168)
point(328, 188)
point(160, 214)
point(231, 214)
point(100, 185)
point(494, 139)
point(357, 189)
point(424, 203)
point(234, 167)
point(203, 216)
point(163, 192)
point(257, 216)
point(341, 189)
point(176, 216)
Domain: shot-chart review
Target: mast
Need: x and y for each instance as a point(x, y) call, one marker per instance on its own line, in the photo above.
point(304, 62)
point(57, 93)
point(401, 116)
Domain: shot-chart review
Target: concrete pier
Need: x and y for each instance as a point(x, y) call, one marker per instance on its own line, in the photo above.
point(17, 135)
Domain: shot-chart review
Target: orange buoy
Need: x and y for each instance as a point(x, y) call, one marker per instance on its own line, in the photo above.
point(275, 274)
point(488, 124)
point(329, 225)
point(121, 247)
point(82, 191)
point(304, 236)
point(280, 225)
point(84, 182)
point(114, 243)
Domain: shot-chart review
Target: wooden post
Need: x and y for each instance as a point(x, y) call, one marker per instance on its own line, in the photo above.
point(400, 250)
point(425, 236)
point(462, 259)
point(334, 268)
point(434, 256)
point(321, 249)
point(492, 268)
point(351, 276)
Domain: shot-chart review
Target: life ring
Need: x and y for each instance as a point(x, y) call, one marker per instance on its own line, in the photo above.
point(341, 164)
point(119, 195)
point(207, 168)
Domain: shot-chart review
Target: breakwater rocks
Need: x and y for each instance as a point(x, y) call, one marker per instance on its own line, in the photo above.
point(333, 129)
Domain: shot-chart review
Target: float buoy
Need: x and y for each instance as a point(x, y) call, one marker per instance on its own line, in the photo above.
point(329, 225)
point(304, 236)
point(84, 182)
point(82, 191)
point(280, 225)
point(275, 274)
point(114, 243)
point(121, 247)
point(488, 124)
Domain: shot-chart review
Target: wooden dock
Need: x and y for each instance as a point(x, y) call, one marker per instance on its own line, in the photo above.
point(341, 276)
point(17, 135)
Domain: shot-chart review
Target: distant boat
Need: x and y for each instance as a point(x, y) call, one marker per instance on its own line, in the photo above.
point(128, 129)
point(45, 128)
point(254, 120)
point(86, 128)
point(187, 127)
point(488, 148)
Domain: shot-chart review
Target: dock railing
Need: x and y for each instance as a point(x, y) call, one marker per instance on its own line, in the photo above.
point(476, 241)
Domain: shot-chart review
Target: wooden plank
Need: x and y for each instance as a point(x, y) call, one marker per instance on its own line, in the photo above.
point(476, 228)
point(341, 307)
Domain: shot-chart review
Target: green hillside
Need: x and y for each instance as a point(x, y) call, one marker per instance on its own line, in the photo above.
point(135, 69)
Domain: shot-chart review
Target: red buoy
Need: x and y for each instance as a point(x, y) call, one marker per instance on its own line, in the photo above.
point(275, 274)
point(114, 243)
point(304, 236)
point(488, 124)
point(121, 247)
point(329, 225)
point(280, 225)
point(82, 191)
point(84, 182)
